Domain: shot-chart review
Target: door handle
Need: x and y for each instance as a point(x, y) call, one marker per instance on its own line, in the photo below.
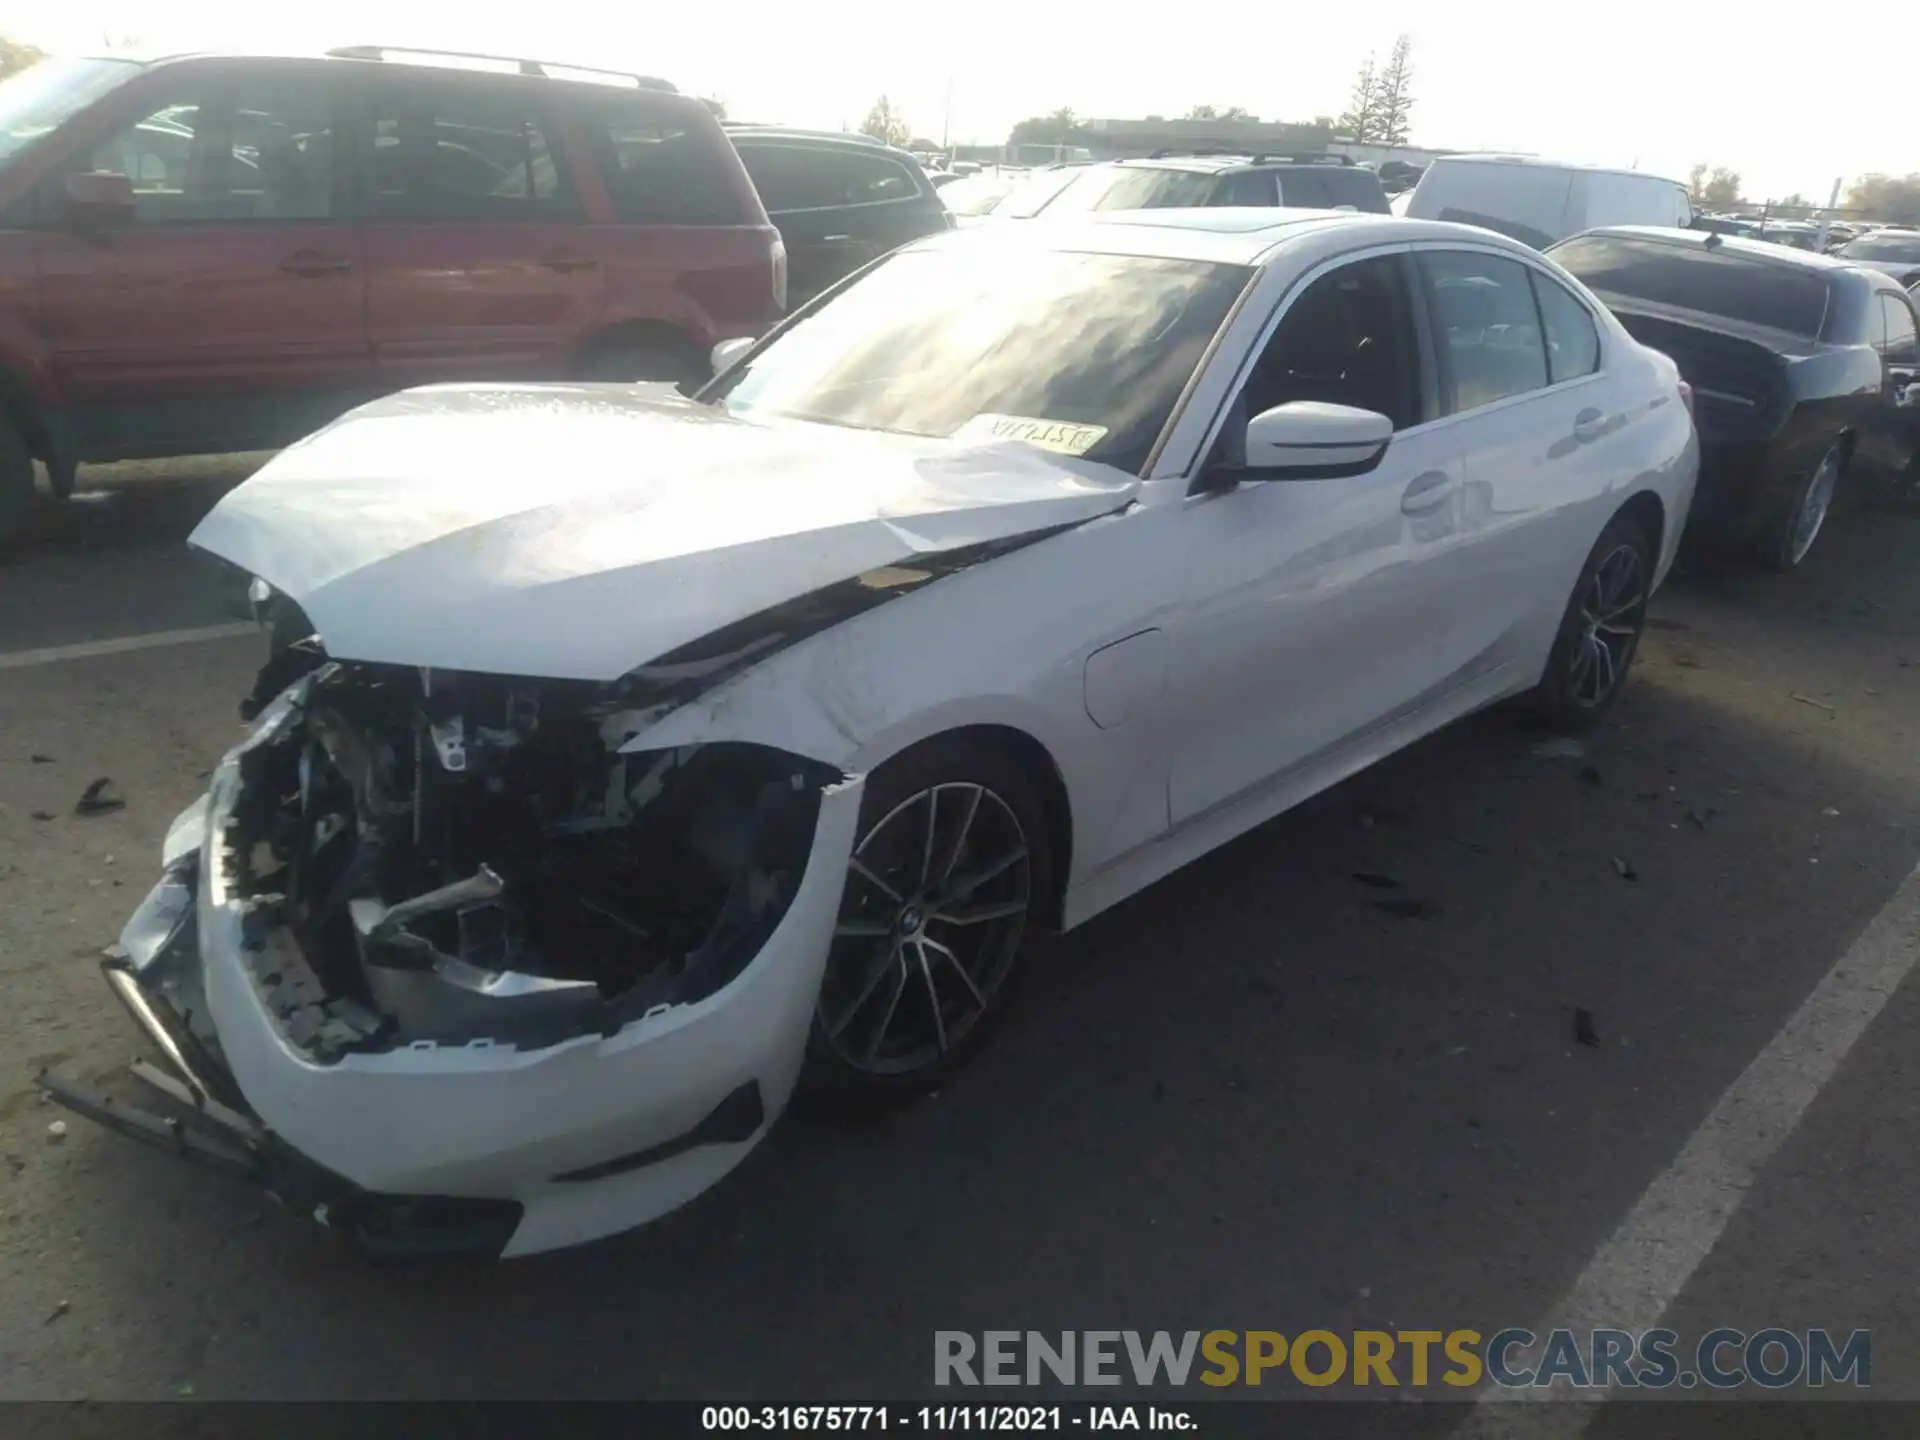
point(566, 262)
point(1588, 424)
point(1427, 493)
point(309, 263)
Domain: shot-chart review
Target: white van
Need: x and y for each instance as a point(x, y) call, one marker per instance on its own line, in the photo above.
point(1539, 202)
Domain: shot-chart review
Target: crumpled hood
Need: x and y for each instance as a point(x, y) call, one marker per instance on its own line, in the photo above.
point(577, 531)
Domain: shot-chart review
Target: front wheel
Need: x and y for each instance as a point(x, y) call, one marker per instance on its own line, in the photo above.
point(16, 481)
point(1785, 543)
point(1600, 630)
point(943, 899)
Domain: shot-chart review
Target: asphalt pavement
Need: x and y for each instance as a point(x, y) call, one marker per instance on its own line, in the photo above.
point(1335, 1076)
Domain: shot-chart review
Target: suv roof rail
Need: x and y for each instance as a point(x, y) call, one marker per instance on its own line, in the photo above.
point(1261, 157)
point(757, 128)
point(543, 69)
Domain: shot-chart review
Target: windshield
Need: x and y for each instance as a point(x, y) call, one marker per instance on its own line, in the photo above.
point(977, 194)
point(1783, 294)
point(39, 98)
point(1035, 192)
point(1903, 248)
point(1135, 189)
point(1084, 354)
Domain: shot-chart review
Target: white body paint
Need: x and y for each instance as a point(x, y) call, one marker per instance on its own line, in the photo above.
point(1193, 663)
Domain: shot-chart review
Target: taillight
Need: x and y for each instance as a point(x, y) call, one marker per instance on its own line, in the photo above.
point(780, 274)
point(1686, 397)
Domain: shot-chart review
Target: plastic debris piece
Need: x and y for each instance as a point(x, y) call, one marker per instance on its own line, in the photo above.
point(1624, 870)
point(99, 799)
point(1583, 1031)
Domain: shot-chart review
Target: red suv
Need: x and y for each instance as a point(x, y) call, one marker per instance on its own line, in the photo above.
point(211, 253)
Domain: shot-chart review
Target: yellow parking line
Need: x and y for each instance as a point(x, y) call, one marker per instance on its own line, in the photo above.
point(155, 640)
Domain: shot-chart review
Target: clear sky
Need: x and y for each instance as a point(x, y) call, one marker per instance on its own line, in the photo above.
point(1660, 85)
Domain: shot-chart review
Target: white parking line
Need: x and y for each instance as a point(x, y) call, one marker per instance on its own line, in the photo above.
point(157, 640)
point(1637, 1274)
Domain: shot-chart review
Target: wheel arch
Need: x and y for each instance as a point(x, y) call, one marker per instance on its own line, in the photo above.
point(1650, 510)
point(642, 334)
point(1035, 761)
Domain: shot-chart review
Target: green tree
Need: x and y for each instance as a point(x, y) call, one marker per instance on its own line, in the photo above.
point(1361, 119)
point(16, 56)
point(1722, 187)
point(1394, 92)
point(1062, 127)
point(885, 123)
point(1891, 198)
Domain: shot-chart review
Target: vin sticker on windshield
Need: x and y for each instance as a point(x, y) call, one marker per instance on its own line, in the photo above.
point(1061, 436)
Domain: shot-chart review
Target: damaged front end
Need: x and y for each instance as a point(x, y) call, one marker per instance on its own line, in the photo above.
point(434, 960)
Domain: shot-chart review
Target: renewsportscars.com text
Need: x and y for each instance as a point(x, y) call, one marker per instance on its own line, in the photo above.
point(1773, 1358)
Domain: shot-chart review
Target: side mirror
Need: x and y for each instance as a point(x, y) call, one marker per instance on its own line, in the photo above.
point(99, 200)
point(1314, 440)
point(728, 351)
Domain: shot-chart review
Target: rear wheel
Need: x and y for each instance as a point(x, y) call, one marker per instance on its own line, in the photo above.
point(1785, 543)
point(16, 481)
point(1600, 631)
point(942, 903)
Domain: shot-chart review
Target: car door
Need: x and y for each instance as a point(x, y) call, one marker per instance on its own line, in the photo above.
point(1540, 424)
point(836, 207)
point(1314, 610)
point(476, 267)
point(1898, 433)
point(228, 313)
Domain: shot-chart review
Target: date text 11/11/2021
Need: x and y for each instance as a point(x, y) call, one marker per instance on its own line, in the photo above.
point(937, 1419)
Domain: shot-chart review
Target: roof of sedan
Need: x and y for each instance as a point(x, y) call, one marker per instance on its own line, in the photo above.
point(1223, 235)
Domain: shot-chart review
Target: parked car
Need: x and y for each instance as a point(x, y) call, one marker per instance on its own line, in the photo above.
point(213, 253)
point(838, 200)
point(1169, 181)
point(1794, 234)
point(1538, 202)
point(1800, 366)
point(1005, 194)
point(762, 737)
point(1892, 252)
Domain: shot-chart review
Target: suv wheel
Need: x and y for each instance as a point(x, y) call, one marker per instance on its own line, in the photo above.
point(16, 480)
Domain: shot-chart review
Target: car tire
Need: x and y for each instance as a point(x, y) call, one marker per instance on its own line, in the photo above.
point(639, 362)
point(1788, 539)
point(16, 481)
point(921, 969)
point(1599, 632)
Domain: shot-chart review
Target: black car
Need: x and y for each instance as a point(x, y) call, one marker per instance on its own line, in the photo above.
point(1897, 252)
point(1168, 181)
point(838, 200)
point(1800, 366)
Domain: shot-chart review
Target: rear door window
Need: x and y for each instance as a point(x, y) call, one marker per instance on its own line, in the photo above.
point(825, 177)
point(465, 152)
point(1331, 187)
point(1573, 340)
point(1486, 327)
point(1249, 187)
point(660, 165)
point(1779, 294)
point(1135, 188)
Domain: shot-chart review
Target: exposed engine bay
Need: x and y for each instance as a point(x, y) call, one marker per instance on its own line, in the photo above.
point(445, 857)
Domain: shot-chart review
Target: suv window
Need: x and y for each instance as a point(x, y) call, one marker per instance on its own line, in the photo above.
point(1248, 187)
point(1485, 326)
point(1349, 340)
point(822, 177)
point(1902, 344)
point(246, 153)
point(1134, 188)
point(1573, 340)
point(660, 167)
point(465, 154)
point(1780, 294)
point(1329, 187)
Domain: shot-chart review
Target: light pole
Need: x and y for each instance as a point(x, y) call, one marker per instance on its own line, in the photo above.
point(946, 118)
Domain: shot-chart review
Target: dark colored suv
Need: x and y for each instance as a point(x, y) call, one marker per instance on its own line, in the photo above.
point(212, 253)
point(1309, 182)
point(839, 200)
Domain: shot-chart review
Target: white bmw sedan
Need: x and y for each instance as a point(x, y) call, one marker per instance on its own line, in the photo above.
point(645, 757)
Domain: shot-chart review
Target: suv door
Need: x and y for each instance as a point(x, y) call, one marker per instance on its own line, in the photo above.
point(837, 206)
point(476, 269)
point(228, 314)
point(1315, 613)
